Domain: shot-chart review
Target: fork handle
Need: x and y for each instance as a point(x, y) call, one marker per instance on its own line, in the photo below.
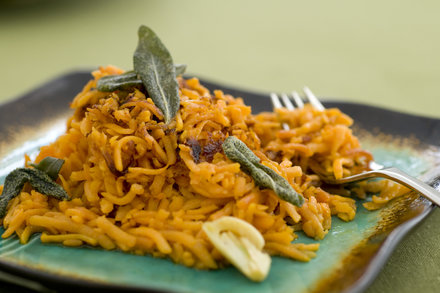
point(401, 177)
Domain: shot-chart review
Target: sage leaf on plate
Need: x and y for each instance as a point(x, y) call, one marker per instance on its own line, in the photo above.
point(180, 69)
point(263, 176)
point(38, 179)
point(50, 165)
point(121, 82)
point(154, 65)
point(128, 80)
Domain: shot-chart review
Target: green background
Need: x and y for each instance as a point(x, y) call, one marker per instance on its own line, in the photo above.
point(384, 53)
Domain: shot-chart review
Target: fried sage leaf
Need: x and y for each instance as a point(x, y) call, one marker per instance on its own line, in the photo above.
point(38, 179)
point(154, 65)
point(50, 165)
point(180, 69)
point(128, 80)
point(121, 82)
point(264, 176)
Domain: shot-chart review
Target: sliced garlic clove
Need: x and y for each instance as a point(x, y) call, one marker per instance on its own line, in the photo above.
point(240, 243)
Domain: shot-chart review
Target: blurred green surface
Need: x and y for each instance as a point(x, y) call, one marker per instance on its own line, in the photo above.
point(380, 52)
point(384, 53)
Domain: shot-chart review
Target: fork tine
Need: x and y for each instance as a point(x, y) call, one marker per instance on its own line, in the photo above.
point(287, 102)
point(277, 104)
point(297, 99)
point(313, 100)
point(275, 101)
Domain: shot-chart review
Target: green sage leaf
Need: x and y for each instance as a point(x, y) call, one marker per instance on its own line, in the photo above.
point(263, 176)
point(180, 69)
point(38, 179)
point(121, 82)
point(50, 165)
point(154, 65)
point(128, 80)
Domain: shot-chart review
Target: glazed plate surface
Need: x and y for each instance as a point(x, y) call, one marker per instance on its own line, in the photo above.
point(349, 258)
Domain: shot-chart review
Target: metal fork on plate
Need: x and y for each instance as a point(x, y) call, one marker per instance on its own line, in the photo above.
point(377, 170)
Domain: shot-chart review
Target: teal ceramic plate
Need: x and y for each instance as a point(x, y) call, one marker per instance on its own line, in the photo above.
point(349, 257)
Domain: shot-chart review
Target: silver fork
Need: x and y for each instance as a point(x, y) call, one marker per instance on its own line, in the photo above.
point(377, 170)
